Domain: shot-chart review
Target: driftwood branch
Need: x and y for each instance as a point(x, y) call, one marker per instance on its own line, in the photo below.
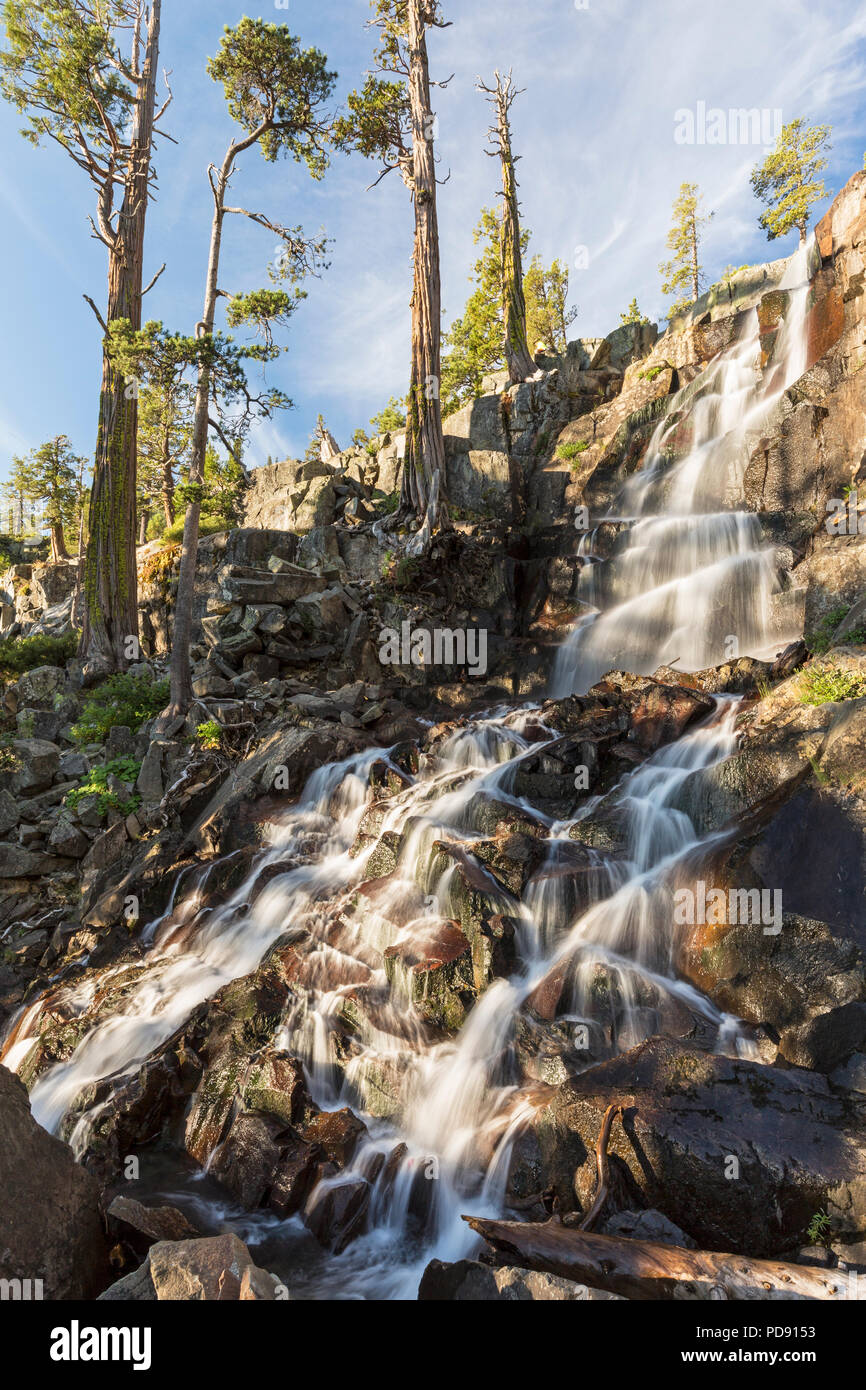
point(642, 1269)
point(602, 1168)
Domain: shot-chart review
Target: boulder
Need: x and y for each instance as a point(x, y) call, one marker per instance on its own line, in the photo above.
point(738, 1154)
point(50, 1225)
point(470, 1281)
point(213, 1269)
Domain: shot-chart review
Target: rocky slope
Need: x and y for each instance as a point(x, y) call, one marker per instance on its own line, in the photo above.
point(298, 1066)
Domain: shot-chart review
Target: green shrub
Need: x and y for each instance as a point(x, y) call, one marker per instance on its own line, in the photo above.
point(820, 639)
point(823, 685)
point(209, 734)
point(19, 654)
point(96, 783)
point(819, 1228)
point(122, 699)
point(207, 526)
point(567, 452)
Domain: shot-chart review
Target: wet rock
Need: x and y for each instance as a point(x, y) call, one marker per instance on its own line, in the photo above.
point(691, 1120)
point(247, 1160)
point(139, 1227)
point(337, 1213)
point(337, 1132)
point(804, 972)
point(51, 1227)
point(436, 964)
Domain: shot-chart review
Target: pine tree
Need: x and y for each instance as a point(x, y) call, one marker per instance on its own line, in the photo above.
point(276, 92)
point(548, 318)
point(50, 477)
point(683, 273)
point(85, 75)
point(787, 181)
point(474, 343)
point(633, 314)
point(392, 121)
point(517, 356)
point(391, 419)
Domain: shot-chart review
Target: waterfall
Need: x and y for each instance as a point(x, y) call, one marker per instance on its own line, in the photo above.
point(691, 582)
point(687, 573)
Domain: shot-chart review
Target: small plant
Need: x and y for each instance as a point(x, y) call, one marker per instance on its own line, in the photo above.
point(96, 783)
point(821, 639)
point(405, 572)
point(762, 685)
point(818, 1229)
point(19, 654)
point(122, 699)
point(827, 684)
point(566, 452)
point(386, 502)
point(209, 734)
point(157, 568)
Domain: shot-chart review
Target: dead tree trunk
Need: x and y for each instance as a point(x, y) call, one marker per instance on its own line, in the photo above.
point(167, 479)
point(110, 582)
point(518, 358)
point(180, 676)
point(642, 1269)
point(423, 486)
point(328, 446)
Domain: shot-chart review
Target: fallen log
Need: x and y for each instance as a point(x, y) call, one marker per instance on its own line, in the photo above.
point(643, 1269)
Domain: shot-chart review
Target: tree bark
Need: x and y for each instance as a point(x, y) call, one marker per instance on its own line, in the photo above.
point(642, 1269)
point(167, 481)
point(110, 581)
point(423, 485)
point(518, 358)
point(180, 676)
point(58, 544)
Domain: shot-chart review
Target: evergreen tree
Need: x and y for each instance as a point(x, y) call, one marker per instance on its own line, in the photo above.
point(392, 121)
point(85, 75)
point(787, 181)
point(633, 314)
point(548, 318)
point(391, 419)
point(475, 341)
point(683, 273)
point(517, 356)
point(276, 93)
point(50, 478)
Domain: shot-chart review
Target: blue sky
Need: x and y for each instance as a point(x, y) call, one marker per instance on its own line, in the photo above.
point(600, 168)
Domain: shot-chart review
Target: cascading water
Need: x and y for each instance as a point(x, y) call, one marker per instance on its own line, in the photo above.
point(691, 581)
point(689, 574)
